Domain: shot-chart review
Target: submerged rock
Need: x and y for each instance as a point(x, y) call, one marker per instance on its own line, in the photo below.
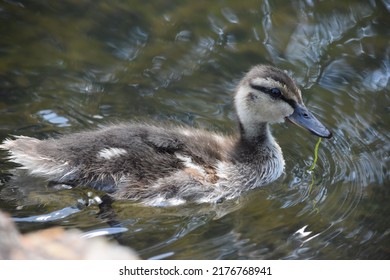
point(56, 243)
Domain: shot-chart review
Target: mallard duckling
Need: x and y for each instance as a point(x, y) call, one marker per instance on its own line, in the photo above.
point(168, 165)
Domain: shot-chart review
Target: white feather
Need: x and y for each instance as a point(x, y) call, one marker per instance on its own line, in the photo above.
point(110, 153)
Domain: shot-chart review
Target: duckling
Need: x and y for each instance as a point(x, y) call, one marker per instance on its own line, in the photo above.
point(160, 164)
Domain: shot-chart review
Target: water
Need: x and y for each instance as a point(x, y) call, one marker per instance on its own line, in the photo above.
point(70, 65)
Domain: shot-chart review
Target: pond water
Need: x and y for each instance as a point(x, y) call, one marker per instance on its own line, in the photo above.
point(71, 65)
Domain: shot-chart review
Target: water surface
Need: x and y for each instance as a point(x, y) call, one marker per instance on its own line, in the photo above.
point(69, 65)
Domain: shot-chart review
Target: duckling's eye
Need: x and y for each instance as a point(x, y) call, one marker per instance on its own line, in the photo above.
point(275, 92)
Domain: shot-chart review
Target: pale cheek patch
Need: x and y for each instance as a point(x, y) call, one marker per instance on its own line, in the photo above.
point(286, 110)
point(278, 115)
point(109, 153)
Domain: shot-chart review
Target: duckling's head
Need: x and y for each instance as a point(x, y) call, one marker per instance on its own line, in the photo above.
point(266, 94)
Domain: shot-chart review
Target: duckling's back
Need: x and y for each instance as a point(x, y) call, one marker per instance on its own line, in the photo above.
point(135, 160)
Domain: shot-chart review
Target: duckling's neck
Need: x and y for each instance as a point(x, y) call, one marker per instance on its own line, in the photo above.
point(255, 133)
point(258, 151)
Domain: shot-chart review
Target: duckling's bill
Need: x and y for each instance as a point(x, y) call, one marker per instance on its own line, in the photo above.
point(303, 118)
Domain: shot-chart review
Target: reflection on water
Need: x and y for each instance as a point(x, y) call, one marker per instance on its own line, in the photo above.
point(66, 66)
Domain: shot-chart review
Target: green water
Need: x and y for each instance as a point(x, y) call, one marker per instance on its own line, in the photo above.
point(71, 65)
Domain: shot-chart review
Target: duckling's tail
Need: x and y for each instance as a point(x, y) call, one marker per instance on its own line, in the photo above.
point(30, 154)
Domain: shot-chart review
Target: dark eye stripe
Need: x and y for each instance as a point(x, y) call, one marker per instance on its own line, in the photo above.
point(260, 88)
point(274, 93)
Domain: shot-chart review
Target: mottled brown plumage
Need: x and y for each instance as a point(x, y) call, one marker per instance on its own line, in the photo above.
point(163, 164)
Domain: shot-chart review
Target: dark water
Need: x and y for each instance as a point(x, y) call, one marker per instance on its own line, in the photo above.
point(72, 65)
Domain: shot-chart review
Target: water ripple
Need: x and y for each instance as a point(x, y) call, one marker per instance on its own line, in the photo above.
point(181, 62)
point(229, 15)
point(130, 48)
